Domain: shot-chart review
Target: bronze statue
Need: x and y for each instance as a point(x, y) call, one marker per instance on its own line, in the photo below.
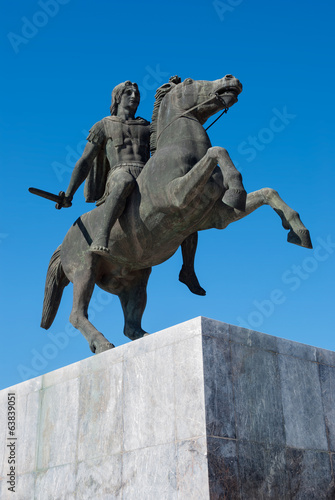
point(118, 148)
point(186, 186)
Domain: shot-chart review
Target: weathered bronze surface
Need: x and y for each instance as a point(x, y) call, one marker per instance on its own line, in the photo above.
point(145, 213)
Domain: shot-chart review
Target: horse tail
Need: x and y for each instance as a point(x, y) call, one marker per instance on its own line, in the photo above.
point(55, 283)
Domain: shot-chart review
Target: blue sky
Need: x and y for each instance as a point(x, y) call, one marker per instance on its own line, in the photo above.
point(61, 60)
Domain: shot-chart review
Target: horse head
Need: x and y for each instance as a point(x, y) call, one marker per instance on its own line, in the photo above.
point(199, 99)
point(203, 98)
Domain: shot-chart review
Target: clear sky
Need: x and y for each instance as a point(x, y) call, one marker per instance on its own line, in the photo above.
point(61, 60)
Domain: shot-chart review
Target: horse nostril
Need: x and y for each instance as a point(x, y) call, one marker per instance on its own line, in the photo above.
point(229, 76)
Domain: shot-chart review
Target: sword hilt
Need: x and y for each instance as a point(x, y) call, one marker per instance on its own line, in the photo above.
point(59, 205)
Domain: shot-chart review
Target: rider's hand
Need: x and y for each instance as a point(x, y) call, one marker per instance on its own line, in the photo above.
point(67, 202)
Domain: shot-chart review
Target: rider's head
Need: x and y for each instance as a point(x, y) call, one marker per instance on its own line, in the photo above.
point(117, 93)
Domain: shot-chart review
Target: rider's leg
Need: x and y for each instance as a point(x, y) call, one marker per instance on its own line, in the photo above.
point(187, 274)
point(121, 184)
point(235, 196)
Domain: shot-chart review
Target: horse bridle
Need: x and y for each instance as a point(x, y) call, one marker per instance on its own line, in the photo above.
point(223, 112)
point(212, 94)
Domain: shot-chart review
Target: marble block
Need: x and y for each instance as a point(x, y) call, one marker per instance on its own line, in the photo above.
point(202, 410)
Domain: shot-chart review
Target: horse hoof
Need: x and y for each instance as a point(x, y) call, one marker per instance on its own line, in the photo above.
point(235, 198)
point(135, 334)
point(101, 347)
point(300, 237)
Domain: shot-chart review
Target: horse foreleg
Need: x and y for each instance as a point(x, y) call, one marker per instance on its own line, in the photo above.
point(298, 234)
point(83, 286)
point(133, 300)
point(235, 195)
point(182, 190)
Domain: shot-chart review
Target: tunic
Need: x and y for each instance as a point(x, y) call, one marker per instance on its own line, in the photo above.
point(110, 134)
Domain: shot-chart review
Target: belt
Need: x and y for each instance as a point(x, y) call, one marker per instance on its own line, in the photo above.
point(139, 164)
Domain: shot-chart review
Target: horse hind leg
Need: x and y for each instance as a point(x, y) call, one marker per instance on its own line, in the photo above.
point(83, 286)
point(133, 300)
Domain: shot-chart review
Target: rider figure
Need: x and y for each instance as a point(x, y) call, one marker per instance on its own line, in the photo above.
point(116, 152)
point(118, 148)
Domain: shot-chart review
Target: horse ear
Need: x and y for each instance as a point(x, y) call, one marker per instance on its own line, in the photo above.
point(175, 79)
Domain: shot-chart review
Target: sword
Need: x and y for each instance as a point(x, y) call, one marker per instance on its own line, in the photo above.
point(59, 199)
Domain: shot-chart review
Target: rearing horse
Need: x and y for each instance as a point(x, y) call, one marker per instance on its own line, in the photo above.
point(186, 186)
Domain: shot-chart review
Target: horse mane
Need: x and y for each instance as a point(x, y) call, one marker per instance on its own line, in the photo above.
point(159, 96)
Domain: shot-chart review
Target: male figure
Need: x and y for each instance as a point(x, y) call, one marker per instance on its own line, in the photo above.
point(118, 148)
point(116, 152)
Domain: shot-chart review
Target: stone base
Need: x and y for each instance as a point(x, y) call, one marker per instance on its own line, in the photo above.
point(202, 410)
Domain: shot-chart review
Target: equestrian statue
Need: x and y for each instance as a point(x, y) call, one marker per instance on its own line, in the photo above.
point(149, 206)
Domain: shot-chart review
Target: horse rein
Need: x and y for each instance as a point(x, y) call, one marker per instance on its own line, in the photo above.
point(213, 95)
point(223, 112)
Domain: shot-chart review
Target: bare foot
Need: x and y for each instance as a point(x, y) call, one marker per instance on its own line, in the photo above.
point(99, 249)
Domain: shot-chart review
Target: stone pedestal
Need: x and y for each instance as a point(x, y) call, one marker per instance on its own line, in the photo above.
point(202, 410)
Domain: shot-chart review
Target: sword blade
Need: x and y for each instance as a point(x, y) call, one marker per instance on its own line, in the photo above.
point(46, 194)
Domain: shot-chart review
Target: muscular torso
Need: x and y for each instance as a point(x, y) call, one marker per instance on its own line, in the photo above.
point(135, 147)
point(126, 141)
point(120, 141)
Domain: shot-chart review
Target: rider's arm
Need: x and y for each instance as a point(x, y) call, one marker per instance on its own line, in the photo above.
point(82, 168)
